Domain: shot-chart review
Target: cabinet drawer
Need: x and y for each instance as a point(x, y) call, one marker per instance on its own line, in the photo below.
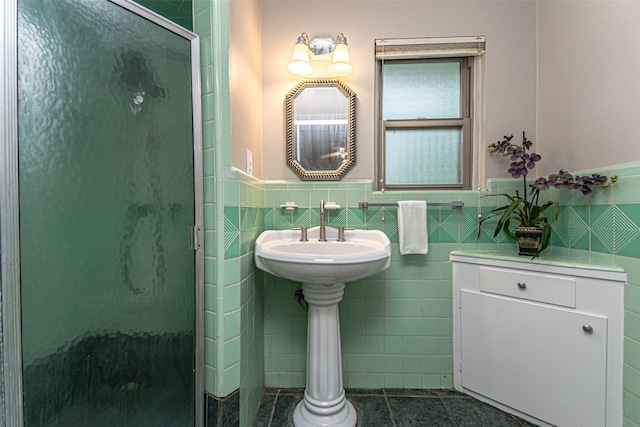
point(546, 288)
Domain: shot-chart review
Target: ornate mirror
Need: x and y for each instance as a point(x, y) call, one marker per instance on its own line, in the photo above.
point(321, 129)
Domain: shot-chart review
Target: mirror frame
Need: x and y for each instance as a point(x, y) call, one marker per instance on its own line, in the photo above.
point(322, 175)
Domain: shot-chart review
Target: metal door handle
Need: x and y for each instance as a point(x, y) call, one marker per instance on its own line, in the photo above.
point(587, 328)
point(522, 285)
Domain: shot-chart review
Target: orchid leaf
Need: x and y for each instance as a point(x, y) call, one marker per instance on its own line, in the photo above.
point(508, 232)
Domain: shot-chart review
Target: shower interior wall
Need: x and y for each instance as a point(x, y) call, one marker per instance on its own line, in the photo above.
point(180, 12)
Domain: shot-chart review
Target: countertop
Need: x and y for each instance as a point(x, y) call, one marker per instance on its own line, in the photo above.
point(546, 263)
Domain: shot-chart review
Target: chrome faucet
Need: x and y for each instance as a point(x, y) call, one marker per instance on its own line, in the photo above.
point(323, 229)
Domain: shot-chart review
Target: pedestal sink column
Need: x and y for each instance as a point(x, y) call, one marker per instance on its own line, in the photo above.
point(324, 402)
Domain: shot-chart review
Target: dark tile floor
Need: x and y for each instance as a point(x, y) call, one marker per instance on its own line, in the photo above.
point(394, 408)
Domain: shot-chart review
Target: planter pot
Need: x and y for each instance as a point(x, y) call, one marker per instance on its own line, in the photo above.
point(528, 240)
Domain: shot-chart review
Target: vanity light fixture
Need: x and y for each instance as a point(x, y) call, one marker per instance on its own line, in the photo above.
point(321, 49)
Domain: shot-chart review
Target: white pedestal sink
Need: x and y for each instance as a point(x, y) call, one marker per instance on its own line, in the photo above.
point(323, 268)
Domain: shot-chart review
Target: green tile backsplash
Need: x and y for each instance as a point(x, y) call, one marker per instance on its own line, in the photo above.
point(397, 325)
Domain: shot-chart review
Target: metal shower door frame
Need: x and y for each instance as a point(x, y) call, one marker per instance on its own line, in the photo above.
point(11, 345)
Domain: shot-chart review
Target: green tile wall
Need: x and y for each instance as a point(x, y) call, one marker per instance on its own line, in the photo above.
point(244, 305)
point(234, 217)
point(396, 327)
point(203, 24)
point(222, 272)
point(605, 227)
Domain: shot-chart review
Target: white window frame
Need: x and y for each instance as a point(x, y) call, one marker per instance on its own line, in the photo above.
point(426, 48)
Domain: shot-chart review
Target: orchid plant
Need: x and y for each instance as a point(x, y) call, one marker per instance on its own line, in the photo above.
point(524, 210)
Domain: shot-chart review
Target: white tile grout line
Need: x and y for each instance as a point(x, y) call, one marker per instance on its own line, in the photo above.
point(393, 421)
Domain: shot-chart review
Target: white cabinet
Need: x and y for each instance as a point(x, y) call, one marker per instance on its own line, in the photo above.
point(540, 339)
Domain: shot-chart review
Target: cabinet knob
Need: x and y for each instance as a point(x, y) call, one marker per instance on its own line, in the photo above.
point(587, 328)
point(522, 285)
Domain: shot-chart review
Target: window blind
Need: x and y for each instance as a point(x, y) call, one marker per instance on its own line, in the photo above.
point(432, 47)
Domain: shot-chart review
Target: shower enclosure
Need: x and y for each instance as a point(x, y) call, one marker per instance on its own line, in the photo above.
point(102, 240)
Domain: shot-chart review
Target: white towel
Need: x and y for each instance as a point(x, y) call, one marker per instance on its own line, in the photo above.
point(412, 227)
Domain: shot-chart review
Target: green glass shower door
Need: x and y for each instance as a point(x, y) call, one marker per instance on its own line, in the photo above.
point(106, 160)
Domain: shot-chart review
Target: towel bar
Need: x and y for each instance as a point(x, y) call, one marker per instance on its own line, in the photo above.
point(455, 204)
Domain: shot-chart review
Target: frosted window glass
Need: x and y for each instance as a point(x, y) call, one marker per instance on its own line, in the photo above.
point(423, 156)
point(428, 90)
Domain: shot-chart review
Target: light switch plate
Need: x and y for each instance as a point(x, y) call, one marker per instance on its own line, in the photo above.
point(249, 162)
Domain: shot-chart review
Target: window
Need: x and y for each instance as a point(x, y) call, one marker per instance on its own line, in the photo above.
point(425, 112)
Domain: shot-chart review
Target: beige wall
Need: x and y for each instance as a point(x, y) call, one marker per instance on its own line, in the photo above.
point(509, 26)
point(564, 71)
point(589, 79)
point(245, 83)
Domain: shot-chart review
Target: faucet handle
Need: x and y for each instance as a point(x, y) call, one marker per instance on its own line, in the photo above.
point(341, 233)
point(303, 233)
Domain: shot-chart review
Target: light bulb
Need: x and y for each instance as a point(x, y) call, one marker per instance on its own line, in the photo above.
point(300, 60)
point(340, 65)
point(300, 68)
